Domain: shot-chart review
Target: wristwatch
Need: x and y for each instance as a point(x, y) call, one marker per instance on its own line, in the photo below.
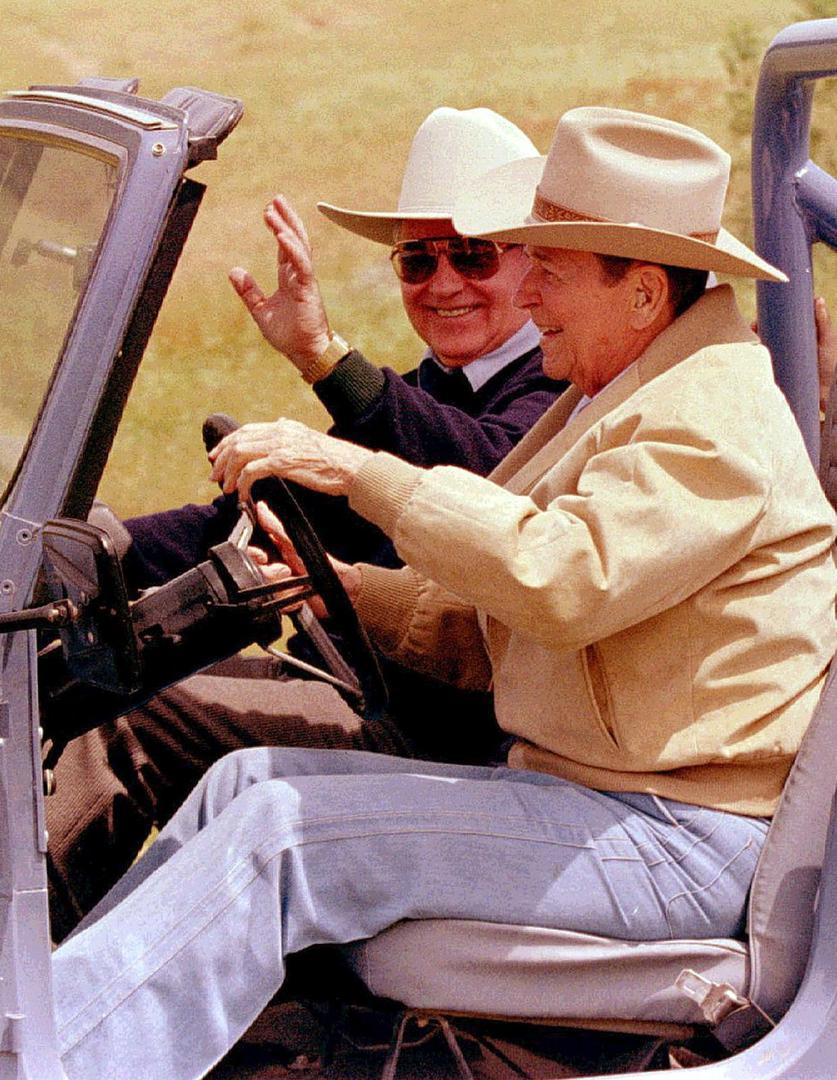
point(328, 359)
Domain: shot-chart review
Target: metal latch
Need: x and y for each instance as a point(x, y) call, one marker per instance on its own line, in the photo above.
point(715, 1000)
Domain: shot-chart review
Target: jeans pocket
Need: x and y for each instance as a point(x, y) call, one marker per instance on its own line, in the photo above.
point(711, 880)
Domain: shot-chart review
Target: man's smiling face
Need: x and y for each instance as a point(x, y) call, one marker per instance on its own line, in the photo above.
point(585, 319)
point(459, 318)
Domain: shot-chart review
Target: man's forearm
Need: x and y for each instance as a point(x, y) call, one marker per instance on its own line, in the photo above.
point(423, 626)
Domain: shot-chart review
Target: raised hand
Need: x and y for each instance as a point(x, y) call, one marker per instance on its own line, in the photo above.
point(293, 318)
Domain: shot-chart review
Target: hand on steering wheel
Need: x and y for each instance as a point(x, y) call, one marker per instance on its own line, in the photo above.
point(324, 579)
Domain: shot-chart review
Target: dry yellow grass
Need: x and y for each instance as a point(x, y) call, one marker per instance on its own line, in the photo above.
point(333, 94)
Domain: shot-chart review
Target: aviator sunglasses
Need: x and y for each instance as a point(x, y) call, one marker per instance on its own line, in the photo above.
point(416, 261)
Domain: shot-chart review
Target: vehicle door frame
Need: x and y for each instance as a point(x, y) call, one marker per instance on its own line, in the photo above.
point(58, 473)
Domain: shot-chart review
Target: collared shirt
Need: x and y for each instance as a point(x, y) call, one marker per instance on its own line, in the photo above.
point(479, 371)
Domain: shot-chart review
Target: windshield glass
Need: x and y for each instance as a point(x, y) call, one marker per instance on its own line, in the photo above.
point(54, 202)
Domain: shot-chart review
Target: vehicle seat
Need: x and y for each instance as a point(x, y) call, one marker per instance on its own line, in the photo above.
point(574, 979)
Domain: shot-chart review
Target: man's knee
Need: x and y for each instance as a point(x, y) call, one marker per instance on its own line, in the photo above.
point(86, 786)
point(254, 764)
point(241, 770)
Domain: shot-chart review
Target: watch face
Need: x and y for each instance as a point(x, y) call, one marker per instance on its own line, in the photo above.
point(337, 347)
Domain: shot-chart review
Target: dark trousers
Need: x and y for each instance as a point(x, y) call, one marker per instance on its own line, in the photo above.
point(116, 782)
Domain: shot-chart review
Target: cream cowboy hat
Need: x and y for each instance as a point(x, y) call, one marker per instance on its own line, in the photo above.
point(616, 183)
point(451, 148)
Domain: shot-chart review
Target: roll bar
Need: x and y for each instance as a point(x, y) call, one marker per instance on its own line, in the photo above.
point(794, 206)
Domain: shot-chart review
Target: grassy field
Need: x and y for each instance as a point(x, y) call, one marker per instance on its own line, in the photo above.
point(333, 94)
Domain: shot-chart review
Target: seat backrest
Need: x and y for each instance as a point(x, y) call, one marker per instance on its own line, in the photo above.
point(785, 885)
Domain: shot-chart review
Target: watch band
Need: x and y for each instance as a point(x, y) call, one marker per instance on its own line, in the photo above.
point(328, 359)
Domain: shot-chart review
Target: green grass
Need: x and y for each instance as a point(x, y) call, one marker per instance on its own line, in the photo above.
point(333, 94)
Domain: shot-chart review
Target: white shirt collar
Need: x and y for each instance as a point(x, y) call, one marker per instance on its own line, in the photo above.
point(479, 371)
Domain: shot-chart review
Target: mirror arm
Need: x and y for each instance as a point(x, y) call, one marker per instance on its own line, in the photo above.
point(59, 613)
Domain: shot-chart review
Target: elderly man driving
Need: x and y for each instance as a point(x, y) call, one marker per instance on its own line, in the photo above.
point(477, 391)
point(647, 579)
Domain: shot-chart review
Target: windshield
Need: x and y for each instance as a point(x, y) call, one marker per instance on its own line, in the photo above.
point(54, 202)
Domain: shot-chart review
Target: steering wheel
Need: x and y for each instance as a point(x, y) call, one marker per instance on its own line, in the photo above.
point(112, 653)
point(324, 581)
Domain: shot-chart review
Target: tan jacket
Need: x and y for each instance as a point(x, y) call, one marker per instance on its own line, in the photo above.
point(654, 580)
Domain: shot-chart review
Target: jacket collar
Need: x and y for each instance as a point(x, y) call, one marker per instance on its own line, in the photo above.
point(713, 320)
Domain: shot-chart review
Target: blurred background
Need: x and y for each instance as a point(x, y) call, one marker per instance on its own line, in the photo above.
point(333, 93)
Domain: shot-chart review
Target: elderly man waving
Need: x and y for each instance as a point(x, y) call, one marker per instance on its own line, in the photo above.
point(647, 578)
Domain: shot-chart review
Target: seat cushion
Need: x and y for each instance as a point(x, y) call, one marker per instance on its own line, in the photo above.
point(457, 965)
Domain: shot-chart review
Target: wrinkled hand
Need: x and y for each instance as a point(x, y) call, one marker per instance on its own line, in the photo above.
point(293, 319)
point(287, 449)
point(272, 572)
point(278, 571)
point(826, 349)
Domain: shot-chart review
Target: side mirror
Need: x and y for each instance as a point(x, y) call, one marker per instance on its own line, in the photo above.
point(81, 564)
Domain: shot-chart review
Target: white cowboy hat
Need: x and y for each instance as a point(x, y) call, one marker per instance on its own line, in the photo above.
point(451, 148)
point(616, 183)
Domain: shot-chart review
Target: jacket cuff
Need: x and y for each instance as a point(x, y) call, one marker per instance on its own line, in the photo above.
point(382, 488)
point(385, 605)
point(351, 388)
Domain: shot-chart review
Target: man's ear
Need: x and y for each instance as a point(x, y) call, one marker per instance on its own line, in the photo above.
point(649, 295)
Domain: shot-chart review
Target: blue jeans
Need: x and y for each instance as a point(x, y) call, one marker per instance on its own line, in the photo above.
point(279, 849)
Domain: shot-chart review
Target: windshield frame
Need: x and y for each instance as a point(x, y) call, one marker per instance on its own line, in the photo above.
point(152, 161)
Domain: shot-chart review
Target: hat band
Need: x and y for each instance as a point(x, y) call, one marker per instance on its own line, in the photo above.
point(547, 210)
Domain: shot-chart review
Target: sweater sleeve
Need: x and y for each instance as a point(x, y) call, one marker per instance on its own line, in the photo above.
point(423, 626)
point(375, 408)
point(382, 410)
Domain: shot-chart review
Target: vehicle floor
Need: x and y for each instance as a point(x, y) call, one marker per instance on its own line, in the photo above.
point(290, 1038)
